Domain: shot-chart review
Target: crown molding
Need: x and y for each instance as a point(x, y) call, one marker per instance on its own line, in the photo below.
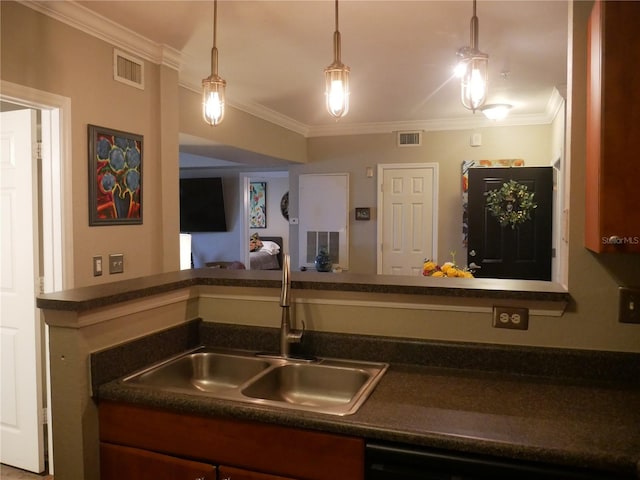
point(339, 129)
point(81, 18)
point(258, 111)
point(470, 123)
point(554, 105)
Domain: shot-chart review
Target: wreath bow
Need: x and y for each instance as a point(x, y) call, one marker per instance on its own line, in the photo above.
point(511, 204)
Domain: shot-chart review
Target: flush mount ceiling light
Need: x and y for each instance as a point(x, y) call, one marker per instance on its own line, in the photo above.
point(496, 111)
point(473, 69)
point(336, 78)
point(213, 87)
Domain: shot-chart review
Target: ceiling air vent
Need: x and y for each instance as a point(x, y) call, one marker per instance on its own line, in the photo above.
point(128, 69)
point(409, 139)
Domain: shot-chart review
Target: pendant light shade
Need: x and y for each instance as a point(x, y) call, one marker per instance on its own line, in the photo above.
point(474, 70)
point(337, 79)
point(213, 87)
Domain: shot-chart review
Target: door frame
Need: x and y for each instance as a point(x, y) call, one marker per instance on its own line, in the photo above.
point(245, 179)
point(56, 194)
point(380, 218)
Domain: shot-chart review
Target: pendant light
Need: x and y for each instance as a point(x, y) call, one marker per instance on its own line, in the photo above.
point(336, 78)
point(213, 87)
point(473, 68)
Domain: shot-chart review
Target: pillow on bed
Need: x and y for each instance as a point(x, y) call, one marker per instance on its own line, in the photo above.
point(272, 248)
point(255, 243)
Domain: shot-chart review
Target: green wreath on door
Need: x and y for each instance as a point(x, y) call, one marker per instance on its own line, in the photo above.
point(511, 204)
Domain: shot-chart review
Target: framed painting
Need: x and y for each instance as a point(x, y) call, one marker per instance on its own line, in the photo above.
point(363, 213)
point(257, 204)
point(115, 177)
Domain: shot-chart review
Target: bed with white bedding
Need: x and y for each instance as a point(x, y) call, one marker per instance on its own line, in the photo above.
point(265, 253)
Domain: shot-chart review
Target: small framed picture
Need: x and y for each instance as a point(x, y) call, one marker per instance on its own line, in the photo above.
point(363, 213)
point(258, 205)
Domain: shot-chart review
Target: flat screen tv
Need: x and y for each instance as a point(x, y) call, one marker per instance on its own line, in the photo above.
point(202, 205)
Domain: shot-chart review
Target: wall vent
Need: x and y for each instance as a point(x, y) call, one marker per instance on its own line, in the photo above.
point(128, 69)
point(409, 139)
point(329, 241)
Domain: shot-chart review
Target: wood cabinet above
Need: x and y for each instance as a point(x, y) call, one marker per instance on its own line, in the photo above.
point(612, 222)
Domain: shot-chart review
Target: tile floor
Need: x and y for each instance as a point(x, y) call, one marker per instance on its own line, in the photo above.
point(10, 473)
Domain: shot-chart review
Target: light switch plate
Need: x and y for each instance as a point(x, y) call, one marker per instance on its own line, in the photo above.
point(97, 265)
point(629, 305)
point(116, 263)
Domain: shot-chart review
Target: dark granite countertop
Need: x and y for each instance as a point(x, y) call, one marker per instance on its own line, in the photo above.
point(86, 298)
point(564, 420)
point(516, 417)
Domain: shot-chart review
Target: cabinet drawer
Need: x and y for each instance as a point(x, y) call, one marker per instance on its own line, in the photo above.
point(289, 452)
point(121, 463)
point(230, 473)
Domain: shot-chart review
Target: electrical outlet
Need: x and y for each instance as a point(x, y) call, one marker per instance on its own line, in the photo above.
point(511, 317)
point(116, 263)
point(629, 305)
point(97, 265)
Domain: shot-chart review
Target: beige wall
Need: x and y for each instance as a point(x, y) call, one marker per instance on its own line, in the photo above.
point(241, 130)
point(47, 55)
point(41, 53)
point(353, 154)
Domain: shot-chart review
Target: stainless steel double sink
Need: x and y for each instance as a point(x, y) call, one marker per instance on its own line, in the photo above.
point(324, 385)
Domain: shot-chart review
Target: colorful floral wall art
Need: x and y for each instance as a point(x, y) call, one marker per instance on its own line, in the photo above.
point(258, 205)
point(115, 177)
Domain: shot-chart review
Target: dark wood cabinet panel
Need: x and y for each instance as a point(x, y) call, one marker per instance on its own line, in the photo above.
point(230, 473)
point(612, 222)
point(272, 449)
point(124, 463)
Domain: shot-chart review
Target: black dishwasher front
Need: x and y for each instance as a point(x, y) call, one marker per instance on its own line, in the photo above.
point(403, 462)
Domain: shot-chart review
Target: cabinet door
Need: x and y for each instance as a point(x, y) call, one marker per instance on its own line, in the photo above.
point(230, 473)
point(123, 463)
point(612, 220)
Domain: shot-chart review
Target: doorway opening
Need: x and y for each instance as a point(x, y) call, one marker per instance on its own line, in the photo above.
point(51, 218)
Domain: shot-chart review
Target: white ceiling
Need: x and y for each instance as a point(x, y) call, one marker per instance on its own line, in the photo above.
point(401, 53)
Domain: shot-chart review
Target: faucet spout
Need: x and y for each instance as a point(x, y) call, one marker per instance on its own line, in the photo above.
point(286, 281)
point(287, 334)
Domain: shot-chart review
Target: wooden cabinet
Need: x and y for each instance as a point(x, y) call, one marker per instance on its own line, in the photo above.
point(278, 453)
point(119, 463)
point(612, 222)
point(230, 473)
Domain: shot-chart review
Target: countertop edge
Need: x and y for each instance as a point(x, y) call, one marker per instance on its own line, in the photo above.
point(86, 298)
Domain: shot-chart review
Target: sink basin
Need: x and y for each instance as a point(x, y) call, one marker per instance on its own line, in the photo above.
point(313, 386)
point(206, 371)
point(332, 386)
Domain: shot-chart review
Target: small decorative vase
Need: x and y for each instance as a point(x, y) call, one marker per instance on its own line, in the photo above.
point(323, 262)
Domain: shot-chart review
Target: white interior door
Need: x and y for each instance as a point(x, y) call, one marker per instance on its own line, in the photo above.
point(407, 217)
point(21, 426)
point(323, 208)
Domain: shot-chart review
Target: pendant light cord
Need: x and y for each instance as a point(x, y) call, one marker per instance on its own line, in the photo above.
point(474, 28)
point(214, 49)
point(215, 19)
point(336, 40)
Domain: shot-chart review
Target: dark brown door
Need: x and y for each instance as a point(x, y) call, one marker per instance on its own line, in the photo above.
point(523, 252)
